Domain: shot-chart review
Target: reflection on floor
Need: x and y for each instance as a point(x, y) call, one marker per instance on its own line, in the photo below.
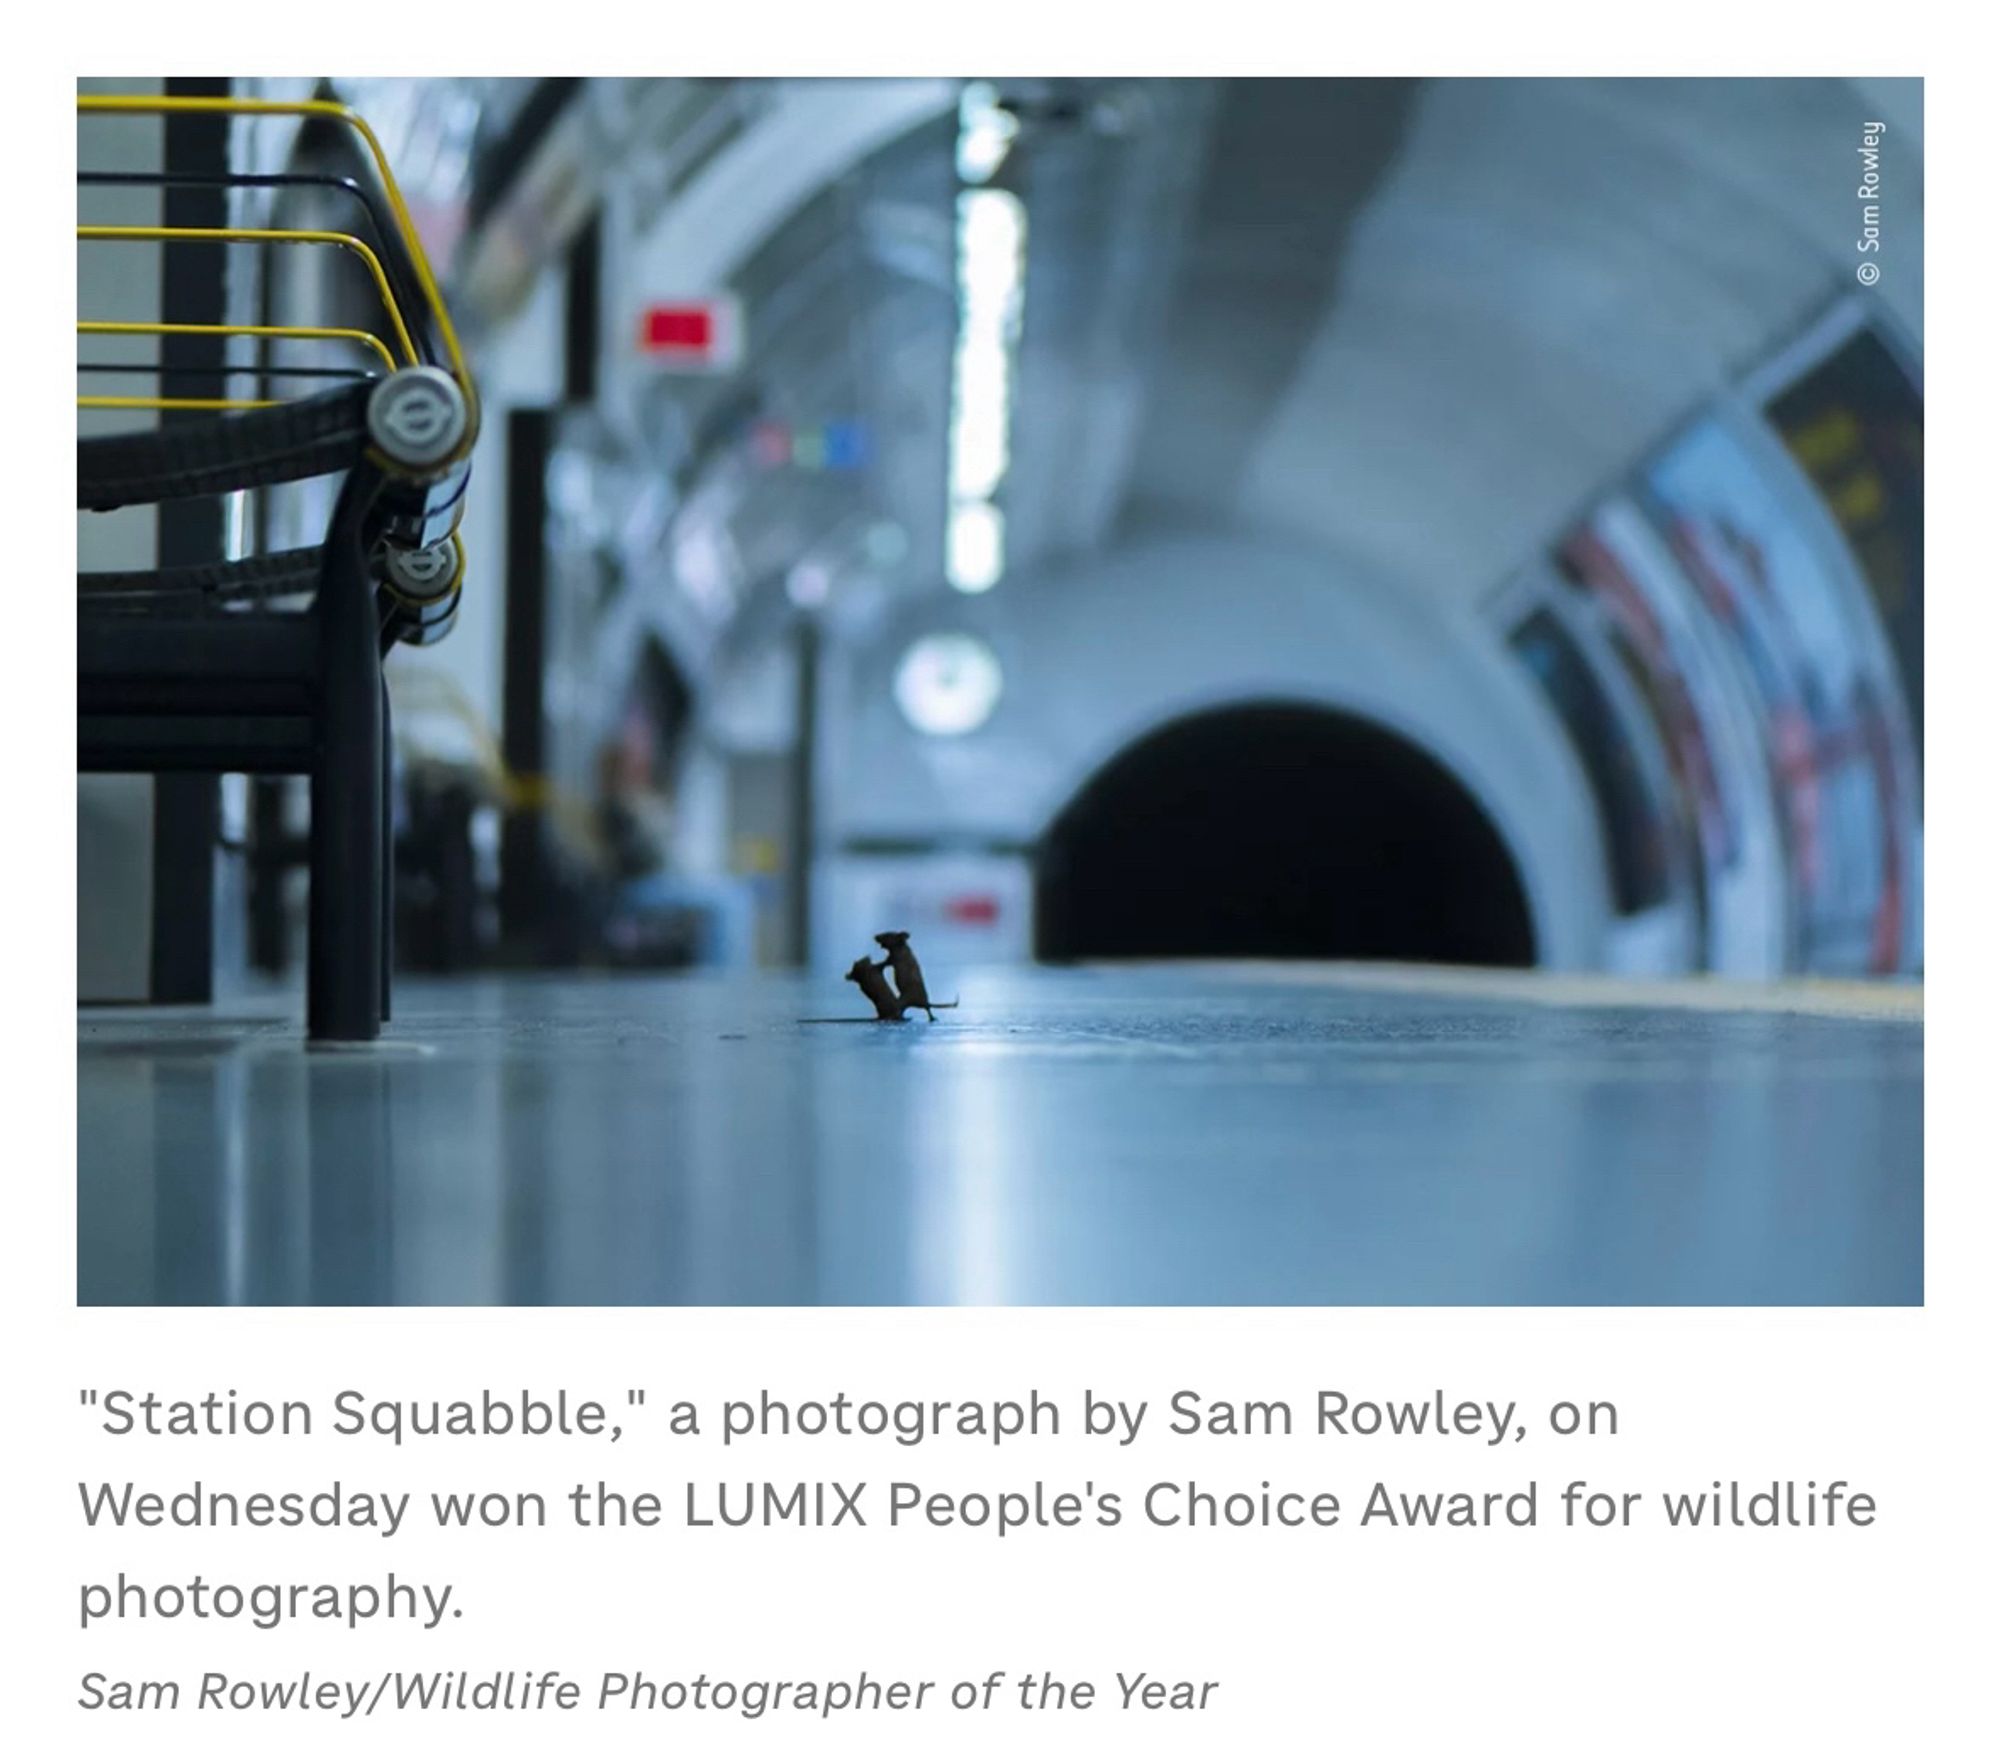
point(1142, 1135)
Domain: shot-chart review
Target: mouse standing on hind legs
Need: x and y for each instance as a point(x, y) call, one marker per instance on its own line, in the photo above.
point(909, 974)
point(870, 978)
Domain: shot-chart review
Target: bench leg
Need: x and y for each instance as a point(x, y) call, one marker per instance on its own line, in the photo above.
point(344, 951)
point(388, 856)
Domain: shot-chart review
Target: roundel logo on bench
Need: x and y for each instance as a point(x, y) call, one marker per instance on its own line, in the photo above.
point(427, 573)
point(417, 416)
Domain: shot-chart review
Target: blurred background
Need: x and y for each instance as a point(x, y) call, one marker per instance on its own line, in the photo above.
point(1460, 521)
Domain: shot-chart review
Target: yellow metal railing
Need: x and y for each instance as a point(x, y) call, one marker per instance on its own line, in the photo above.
point(154, 402)
point(311, 238)
point(352, 335)
point(412, 245)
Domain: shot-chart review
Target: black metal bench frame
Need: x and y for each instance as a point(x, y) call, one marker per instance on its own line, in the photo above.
point(295, 692)
point(272, 692)
point(168, 682)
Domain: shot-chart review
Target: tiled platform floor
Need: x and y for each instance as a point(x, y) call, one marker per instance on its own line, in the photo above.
point(1195, 1135)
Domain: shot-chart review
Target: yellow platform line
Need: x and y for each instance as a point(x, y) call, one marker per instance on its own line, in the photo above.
point(1859, 1000)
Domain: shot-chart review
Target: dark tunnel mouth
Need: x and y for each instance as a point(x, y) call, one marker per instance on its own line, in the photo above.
point(1279, 830)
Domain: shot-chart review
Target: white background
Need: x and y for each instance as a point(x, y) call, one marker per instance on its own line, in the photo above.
point(1552, 1632)
point(1391, 1632)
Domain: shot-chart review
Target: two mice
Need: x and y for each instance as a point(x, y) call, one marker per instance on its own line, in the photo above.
point(909, 992)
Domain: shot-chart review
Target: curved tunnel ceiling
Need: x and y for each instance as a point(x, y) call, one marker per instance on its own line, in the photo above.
point(1417, 322)
point(1520, 285)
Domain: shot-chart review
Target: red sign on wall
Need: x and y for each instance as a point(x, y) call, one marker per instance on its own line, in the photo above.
point(696, 333)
